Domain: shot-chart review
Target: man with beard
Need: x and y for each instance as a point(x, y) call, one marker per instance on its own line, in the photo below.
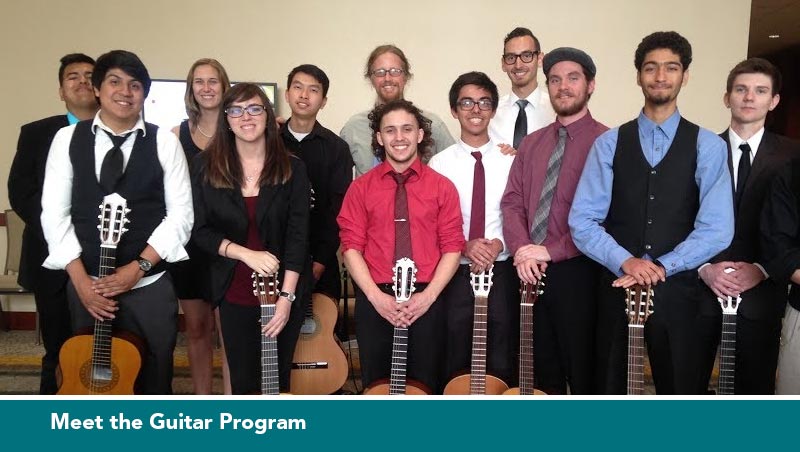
point(653, 203)
point(388, 69)
point(535, 207)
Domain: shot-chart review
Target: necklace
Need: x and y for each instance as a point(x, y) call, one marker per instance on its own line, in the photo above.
point(203, 133)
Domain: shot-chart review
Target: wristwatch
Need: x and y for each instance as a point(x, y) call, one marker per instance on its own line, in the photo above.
point(288, 295)
point(144, 264)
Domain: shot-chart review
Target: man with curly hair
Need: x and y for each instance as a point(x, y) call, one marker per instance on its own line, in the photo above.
point(654, 203)
point(401, 208)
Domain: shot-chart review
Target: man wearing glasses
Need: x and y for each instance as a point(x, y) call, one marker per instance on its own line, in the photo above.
point(535, 208)
point(388, 69)
point(470, 163)
point(526, 108)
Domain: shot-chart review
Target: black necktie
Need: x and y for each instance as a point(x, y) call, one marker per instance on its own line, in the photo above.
point(521, 126)
point(743, 171)
point(111, 170)
point(402, 227)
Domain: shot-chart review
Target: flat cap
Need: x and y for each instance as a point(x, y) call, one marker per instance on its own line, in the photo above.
point(568, 54)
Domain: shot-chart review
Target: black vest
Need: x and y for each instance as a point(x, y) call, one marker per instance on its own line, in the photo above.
point(653, 209)
point(142, 186)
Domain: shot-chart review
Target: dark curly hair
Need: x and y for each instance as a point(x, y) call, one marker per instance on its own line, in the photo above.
point(664, 40)
point(377, 114)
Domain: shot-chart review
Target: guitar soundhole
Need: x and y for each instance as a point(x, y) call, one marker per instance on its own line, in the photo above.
point(103, 380)
point(310, 326)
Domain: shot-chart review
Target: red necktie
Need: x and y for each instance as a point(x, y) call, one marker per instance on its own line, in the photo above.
point(477, 218)
point(402, 228)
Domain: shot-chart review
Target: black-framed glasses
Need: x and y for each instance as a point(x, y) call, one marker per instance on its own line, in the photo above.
point(394, 72)
point(468, 104)
point(238, 112)
point(526, 56)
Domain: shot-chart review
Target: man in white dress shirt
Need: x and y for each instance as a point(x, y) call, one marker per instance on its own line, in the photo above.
point(526, 108)
point(479, 170)
point(117, 152)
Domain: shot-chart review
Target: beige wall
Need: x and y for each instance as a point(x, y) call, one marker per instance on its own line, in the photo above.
point(262, 40)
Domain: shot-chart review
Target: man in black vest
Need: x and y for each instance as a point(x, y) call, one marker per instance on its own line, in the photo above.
point(653, 203)
point(118, 152)
point(25, 194)
point(754, 157)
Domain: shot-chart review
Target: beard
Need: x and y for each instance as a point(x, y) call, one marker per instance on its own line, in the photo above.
point(572, 108)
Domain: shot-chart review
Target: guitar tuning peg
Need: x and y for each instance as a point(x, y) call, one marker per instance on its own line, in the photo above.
point(124, 229)
point(127, 211)
point(99, 217)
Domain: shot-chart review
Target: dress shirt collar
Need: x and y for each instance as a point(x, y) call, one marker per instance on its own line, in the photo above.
point(72, 119)
point(385, 169)
point(287, 130)
point(668, 127)
point(97, 122)
point(575, 128)
point(533, 98)
point(753, 141)
point(464, 147)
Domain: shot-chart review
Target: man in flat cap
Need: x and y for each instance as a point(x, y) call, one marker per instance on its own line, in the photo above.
point(535, 207)
point(654, 203)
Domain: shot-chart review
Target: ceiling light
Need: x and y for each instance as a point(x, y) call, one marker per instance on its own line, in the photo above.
point(774, 36)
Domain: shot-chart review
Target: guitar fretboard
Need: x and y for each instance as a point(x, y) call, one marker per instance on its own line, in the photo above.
point(635, 359)
point(270, 384)
point(727, 355)
point(102, 372)
point(397, 380)
point(477, 379)
point(526, 383)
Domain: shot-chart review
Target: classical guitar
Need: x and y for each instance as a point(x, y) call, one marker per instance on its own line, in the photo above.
point(529, 294)
point(404, 277)
point(477, 382)
point(727, 346)
point(265, 288)
point(103, 360)
point(319, 365)
point(638, 307)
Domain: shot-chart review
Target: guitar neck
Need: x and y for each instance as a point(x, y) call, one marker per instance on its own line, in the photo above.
point(477, 379)
point(270, 384)
point(101, 344)
point(397, 380)
point(635, 359)
point(526, 384)
point(727, 355)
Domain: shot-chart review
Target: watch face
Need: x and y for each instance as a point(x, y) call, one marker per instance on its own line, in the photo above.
point(145, 265)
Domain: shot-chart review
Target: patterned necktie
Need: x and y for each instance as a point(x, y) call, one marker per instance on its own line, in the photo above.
point(477, 219)
point(539, 229)
point(111, 170)
point(402, 227)
point(521, 126)
point(743, 171)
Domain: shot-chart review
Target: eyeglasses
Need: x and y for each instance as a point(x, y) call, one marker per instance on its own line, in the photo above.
point(468, 104)
point(238, 112)
point(394, 72)
point(526, 56)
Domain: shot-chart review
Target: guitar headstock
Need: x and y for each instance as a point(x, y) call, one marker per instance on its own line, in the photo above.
point(482, 282)
point(529, 293)
point(265, 287)
point(638, 304)
point(113, 218)
point(730, 305)
point(405, 275)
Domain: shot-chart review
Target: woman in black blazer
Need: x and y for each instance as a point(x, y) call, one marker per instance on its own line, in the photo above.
point(251, 201)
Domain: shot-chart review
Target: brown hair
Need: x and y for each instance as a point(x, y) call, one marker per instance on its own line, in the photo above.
point(223, 167)
point(756, 66)
point(192, 108)
point(377, 114)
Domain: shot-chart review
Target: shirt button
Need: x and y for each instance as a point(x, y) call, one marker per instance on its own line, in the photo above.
point(649, 221)
point(653, 172)
point(647, 247)
point(652, 197)
point(658, 149)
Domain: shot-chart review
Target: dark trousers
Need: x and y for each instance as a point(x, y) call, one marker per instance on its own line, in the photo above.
point(54, 322)
point(151, 313)
point(757, 347)
point(502, 342)
point(425, 343)
point(564, 328)
point(680, 336)
point(241, 332)
point(330, 283)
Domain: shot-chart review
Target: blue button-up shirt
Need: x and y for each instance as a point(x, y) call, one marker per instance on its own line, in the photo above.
point(713, 226)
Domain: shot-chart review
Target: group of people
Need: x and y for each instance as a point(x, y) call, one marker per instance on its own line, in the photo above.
point(534, 186)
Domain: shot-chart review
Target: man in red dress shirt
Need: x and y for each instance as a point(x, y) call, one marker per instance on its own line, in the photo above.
point(402, 137)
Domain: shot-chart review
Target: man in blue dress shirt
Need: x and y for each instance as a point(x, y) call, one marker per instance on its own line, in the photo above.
point(654, 202)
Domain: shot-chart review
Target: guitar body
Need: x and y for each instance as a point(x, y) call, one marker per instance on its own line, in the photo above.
point(515, 391)
point(319, 365)
point(382, 387)
point(460, 385)
point(75, 360)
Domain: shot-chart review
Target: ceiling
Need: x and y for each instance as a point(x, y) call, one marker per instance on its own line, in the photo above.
point(773, 17)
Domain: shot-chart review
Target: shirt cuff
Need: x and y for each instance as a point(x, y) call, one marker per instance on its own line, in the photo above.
point(760, 267)
point(617, 258)
point(672, 263)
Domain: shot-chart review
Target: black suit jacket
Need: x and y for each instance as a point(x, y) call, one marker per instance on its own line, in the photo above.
point(282, 213)
point(25, 194)
point(775, 151)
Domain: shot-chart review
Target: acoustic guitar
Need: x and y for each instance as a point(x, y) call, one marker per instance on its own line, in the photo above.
point(638, 307)
point(404, 277)
point(319, 365)
point(265, 288)
point(727, 346)
point(103, 359)
point(477, 382)
point(529, 294)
